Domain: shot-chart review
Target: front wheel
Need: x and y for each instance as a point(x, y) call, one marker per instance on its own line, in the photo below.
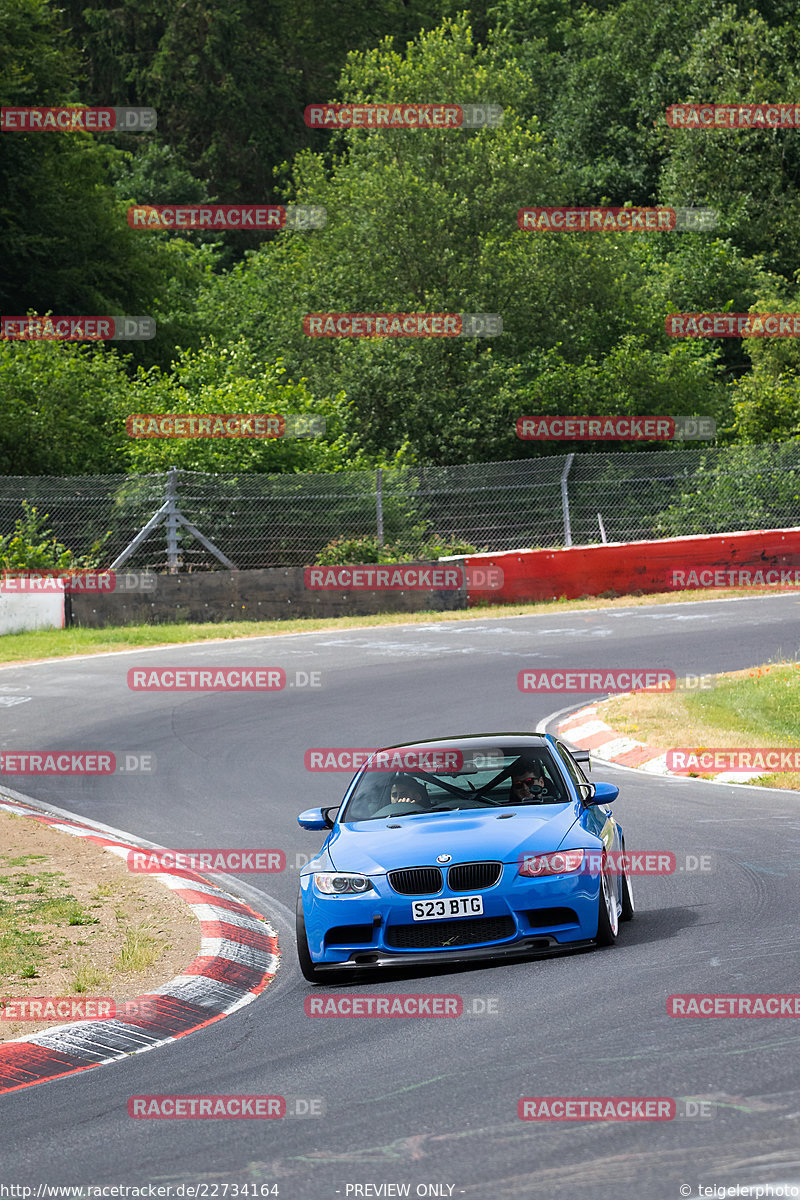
point(310, 970)
point(607, 918)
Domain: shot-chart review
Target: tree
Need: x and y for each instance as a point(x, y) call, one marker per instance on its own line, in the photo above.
point(750, 176)
point(229, 380)
point(230, 80)
point(57, 408)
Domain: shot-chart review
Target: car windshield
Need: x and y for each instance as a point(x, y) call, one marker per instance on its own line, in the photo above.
point(496, 778)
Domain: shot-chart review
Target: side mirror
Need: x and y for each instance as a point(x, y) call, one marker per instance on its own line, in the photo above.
point(313, 819)
point(602, 793)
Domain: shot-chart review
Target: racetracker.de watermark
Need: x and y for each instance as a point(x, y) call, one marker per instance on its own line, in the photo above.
point(733, 325)
point(73, 120)
point(399, 1004)
point(219, 679)
point(227, 216)
point(76, 580)
point(76, 762)
point(686, 760)
point(744, 1004)
point(409, 758)
point(64, 1009)
point(220, 1108)
point(413, 577)
point(395, 324)
point(394, 1005)
point(616, 429)
point(594, 862)
point(621, 679)
point(207, 1107)
point(616, 220)
point(241, 861)
point(402, 116)
point(733, 116)
point(739, 576)
point(596, 1108)
point(616, 1108)
point(77, 329)
point(223, 425)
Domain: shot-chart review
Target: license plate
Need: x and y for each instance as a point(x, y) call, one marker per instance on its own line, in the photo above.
point(458, 906)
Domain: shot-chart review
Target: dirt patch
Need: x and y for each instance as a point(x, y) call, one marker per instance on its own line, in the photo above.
point(75, 922)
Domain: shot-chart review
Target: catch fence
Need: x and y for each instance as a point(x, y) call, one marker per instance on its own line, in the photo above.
point(188, 520)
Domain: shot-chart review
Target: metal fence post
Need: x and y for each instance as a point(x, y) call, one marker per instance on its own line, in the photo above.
point(379, 502)
point(565, 501)
point(172, 517)
point(171, 520)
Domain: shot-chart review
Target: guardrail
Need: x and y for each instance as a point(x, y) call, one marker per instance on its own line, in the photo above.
point(671, 564)
point(762, 558)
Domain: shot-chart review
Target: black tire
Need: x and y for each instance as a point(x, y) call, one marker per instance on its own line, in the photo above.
point(628, 907)
point(310, 971)
point(607, 920)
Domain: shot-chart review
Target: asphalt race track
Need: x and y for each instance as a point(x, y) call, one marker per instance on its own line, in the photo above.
point(433, 1103)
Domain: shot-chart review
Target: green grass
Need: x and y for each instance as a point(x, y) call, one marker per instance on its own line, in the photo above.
point(764, 706)
point(754, 707)
point(103, 891)
point(26, 904)
point(77, 916)
point(20, 949)
point(60, 643)
point(140, 950)
point(86, 978)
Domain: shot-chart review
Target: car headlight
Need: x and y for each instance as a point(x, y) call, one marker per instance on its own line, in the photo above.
point(332, 883)
point(561, 862)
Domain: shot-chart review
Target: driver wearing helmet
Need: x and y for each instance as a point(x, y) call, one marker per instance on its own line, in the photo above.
point(409, 791)
point(527, 782)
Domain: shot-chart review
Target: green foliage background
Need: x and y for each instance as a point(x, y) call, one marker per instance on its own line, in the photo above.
point(417, 221)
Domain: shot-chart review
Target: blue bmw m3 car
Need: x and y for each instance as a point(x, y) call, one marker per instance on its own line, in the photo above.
point(460, 849)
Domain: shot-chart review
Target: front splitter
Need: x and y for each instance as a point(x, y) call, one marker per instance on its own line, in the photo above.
point(538, 947)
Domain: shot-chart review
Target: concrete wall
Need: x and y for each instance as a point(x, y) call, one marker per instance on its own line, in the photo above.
point(274, 593)
point(20, 612)
point(528, 575)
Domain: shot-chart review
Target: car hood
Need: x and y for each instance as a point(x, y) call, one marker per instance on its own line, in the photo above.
point(370, 848)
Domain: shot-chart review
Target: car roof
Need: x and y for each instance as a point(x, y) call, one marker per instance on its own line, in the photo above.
point(477, 741)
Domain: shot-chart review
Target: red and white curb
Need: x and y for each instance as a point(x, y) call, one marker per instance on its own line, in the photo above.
point(238, 958)
point(587, 731)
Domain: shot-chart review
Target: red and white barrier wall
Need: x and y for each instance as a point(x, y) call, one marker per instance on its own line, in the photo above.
point(627, 567)
point(757, 558)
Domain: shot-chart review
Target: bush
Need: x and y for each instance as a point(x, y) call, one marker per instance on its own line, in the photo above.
point(368, 550)
point(746, 487)
point(33, 547)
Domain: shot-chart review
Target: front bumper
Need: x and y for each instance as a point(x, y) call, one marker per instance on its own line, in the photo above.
point(541, 916)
